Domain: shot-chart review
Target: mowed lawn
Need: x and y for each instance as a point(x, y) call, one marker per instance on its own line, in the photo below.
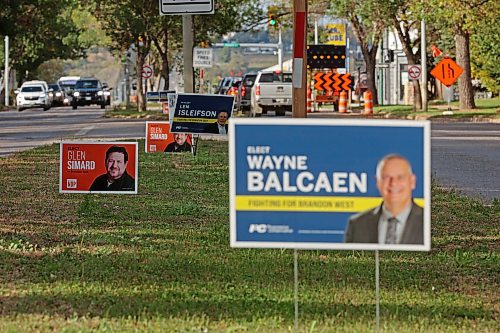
point(160, 261)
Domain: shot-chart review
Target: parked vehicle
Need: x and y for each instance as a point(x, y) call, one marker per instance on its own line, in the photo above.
point(272, 91)
point(88, 91)
point(58, 95)
point(33, 94)
point(224, 85)
point(244, 91)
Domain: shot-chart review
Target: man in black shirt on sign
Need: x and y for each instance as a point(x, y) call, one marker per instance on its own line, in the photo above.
point(116, 177)
point(179, 145)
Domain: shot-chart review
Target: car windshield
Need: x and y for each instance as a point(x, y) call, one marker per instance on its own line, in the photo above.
point(32, 89)
point(54, 87)
point(86, 84)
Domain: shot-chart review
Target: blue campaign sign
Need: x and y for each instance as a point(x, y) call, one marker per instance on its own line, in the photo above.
point(158, 96)
point(202, 114)
point(330, 184)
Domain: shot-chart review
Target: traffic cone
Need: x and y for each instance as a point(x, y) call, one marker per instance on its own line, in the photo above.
point(368, 97)
point(343, 102)
point(309, 100)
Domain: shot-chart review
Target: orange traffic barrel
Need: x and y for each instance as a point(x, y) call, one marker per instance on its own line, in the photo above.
point(309, 100)
point(343, 102)
point(368, 97)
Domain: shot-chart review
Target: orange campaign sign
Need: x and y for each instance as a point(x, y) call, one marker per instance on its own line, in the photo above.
point(447, 71)
point(98, 167)
point(159, 139)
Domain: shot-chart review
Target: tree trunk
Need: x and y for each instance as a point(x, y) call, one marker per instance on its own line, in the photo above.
point(371, 77)
point(465, 89)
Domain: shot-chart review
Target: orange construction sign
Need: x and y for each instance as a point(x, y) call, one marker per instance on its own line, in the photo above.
point(447, 71)
point(332, 81)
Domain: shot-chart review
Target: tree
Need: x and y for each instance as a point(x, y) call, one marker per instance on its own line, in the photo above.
point(39, 31)
point(462, 17)
point(368, 19)
point(404, 21)
point(137, 22)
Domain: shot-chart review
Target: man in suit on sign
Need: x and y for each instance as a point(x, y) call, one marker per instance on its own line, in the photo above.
point(220, 126)
point(398, 220)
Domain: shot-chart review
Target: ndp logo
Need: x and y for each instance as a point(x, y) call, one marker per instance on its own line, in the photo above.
point(260, 228)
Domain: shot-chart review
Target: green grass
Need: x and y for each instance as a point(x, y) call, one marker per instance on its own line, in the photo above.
point(160, 261)
point(486, 108)
point(154, 112)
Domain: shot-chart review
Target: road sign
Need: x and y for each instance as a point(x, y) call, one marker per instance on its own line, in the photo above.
point(202, 58)
point(332, 81)
point(325, 56)
point(447, 71)
point(176, 7)
point(414, 72)
point(147, 71)
point(336, 34)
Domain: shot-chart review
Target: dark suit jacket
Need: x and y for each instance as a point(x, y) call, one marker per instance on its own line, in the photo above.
point(363, 227)
point(214, 128)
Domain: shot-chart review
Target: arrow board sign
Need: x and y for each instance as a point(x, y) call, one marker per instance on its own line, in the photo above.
point(177, 7)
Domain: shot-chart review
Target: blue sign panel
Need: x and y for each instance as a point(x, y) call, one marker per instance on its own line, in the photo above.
point(158, 96)
point(202, 114)
point(330, 184)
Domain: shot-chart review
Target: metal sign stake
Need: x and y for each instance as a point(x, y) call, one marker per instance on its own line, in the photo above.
point(377, 292)
point(296, 289)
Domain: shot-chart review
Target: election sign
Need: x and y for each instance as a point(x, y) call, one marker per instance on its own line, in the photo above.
point(202, 114)
point(98, 167)
point(330, 184)
point(159, 139)
point(158, 96)
point(171, 105)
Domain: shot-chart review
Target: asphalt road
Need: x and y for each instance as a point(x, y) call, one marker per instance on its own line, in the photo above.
point(465, 156)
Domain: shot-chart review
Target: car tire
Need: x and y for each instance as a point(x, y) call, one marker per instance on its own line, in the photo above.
point(103, 105)
point(46, 107)
point(74, 106)
point(280, 113)
point(19, 109)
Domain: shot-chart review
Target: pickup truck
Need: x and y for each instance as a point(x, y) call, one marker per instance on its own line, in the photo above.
point(272, 91)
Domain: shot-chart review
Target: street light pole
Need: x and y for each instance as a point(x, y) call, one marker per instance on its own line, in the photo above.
point(424, 66)
point(6, 72)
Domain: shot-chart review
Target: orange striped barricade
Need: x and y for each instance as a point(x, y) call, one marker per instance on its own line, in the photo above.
point(368, 97)
point(343, 102)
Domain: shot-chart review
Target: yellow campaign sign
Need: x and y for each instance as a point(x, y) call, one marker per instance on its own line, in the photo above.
point(281, 203)
point(336, 34)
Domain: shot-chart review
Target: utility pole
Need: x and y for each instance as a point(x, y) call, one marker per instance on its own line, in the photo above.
point(187, 50)
point(299, 82)
point(6, 71)
point(423, 57)
point(280, 50)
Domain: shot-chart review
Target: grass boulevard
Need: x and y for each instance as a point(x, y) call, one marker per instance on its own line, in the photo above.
point(160, 261)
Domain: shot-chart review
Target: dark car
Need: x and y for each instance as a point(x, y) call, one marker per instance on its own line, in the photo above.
point(58, 95)
point(224, 85)
point(245, 90)
point(88, 91)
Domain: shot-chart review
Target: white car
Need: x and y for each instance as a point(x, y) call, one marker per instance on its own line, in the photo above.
point(33, 94)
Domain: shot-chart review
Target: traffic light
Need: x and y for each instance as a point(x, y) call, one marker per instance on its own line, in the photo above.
point(272, 20)
point(272, 17)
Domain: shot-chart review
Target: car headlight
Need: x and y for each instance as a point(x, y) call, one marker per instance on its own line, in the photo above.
point(107, 93)
point(42, 95)
point(76, 94)
point(58, 94)
point(99, 93)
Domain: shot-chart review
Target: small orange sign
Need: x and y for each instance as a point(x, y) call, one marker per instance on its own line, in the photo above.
point(447, 71)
